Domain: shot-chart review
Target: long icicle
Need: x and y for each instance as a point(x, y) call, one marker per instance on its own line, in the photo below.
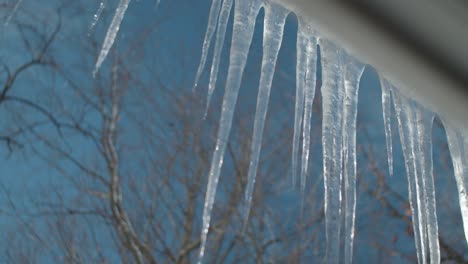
point(299, 105)
point(309, 95)
point(406, 121)
point(353, 73)
point(424, 121)
point(210, 29)
point(219, 43)
point(332, 105)
point(245, 14)
point(97, 16)
point(275, 18)
point(111, 33)
point(458, 145)
point(387, 118)
point(12, 13)
point(411, 107)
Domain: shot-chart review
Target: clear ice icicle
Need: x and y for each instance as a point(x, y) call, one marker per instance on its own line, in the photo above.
point(245, 13)
point(415, 126)
point(97, 15)
point(301, 58)
point(458, 145)
point(13, 12)
point(412, 124)
point(332, 105)
point(386, 88)
point(275, 18)
point(220, 36)
point(111, 33)
point(401, 109)
point(210, 29)
point(352, 77)
point(424, 121)
point(309, 94)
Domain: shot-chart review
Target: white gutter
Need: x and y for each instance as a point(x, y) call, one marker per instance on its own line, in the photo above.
point(440, 29)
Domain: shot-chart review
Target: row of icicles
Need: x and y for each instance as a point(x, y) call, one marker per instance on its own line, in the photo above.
point(341, 74)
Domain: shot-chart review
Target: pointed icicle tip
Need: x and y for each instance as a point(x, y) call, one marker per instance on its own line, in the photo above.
point(210, 29)
point(310, 75)
point(13, 12)
point(275, 19)
point(219, 43)
point(111, 33)
point(97, 16)
point(299, 104)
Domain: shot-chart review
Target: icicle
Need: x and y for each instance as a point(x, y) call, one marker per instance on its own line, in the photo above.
point(353, 73)
point(220, 36)
point(387, 108)
point(111, 33)
point(408, 153)
point(421, 198)
point(13, 12)
point(415, 127)
point(245, 14)
point(424, 121)
point(210, 29)
point(97, 15)
point(309, 94)
point(300, 83)
point(458, 145)
point(332, 101)
point(275, 18)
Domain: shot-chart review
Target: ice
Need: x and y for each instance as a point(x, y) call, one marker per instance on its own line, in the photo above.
point(13, 12)
point(332, 125)
point(210, 29)
point(97, 15)
point(424, 121)
point(299, 106)
point(111, 33)
point(245, 13)
point(275, 18)
point(310, 55)
point(341, 75)
point(386, 88)
point(406, 133)
point(415, 126)
point(352, 77)
point(220, 36)
point(458, 145)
